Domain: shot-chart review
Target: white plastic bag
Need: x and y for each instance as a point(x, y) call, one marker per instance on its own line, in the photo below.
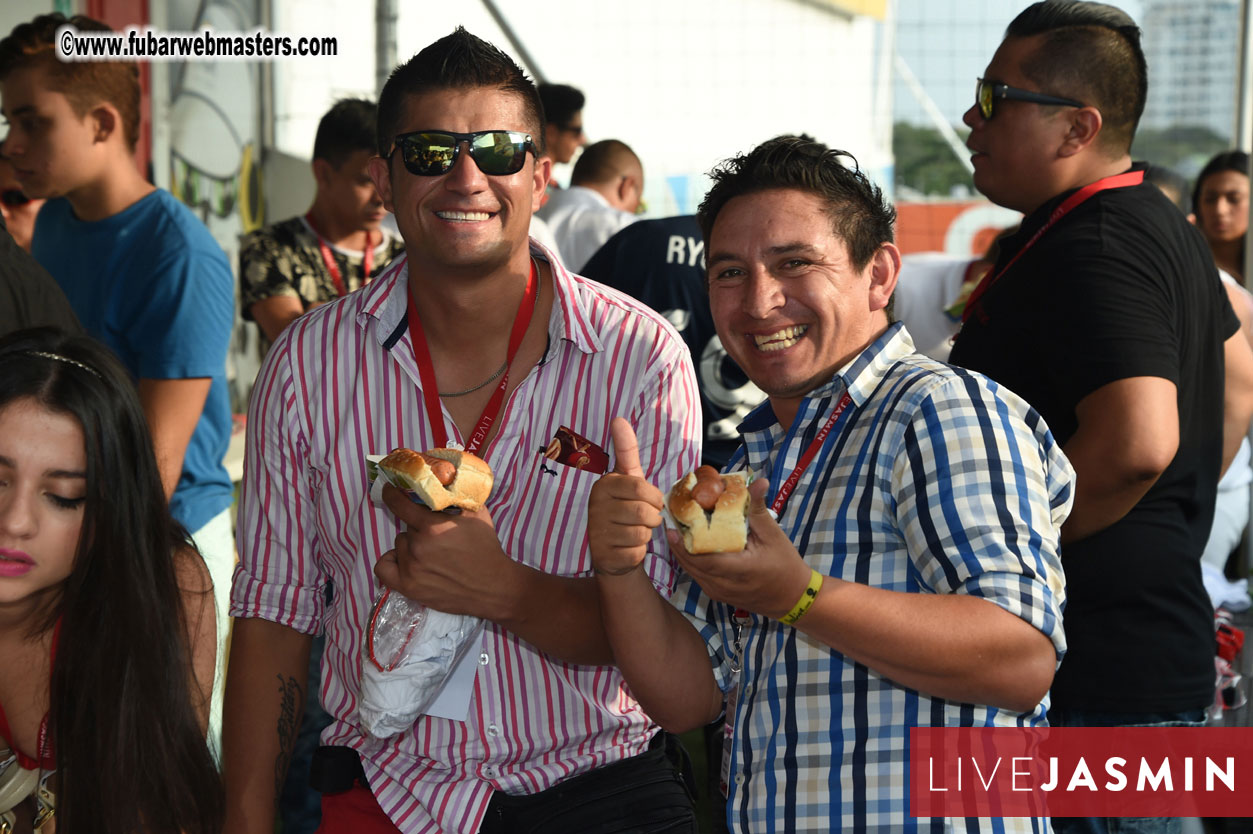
point(409, 652)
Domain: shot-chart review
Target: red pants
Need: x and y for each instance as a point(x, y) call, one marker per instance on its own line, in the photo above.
point(355, 810)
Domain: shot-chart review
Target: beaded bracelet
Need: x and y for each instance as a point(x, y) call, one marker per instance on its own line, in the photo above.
point(807, 599)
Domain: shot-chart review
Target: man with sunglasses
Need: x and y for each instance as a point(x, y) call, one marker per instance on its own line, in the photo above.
point(477, 337)
point(1105, 312)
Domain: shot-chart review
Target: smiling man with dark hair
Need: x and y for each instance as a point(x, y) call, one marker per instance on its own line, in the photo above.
point(478, 338)
point(901, 568)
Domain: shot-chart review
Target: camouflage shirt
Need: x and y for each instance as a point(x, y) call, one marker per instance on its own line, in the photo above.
point(284, 259)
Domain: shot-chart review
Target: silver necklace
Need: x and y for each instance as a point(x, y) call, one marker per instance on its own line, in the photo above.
point(496, 375)
point(505, 364)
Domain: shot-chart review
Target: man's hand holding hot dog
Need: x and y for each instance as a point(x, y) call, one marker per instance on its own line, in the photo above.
point(452, 563)
point(455, 564)
point(766, 577)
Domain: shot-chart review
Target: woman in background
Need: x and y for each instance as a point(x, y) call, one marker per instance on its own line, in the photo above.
point(106, 610)
point(1220, 205)
point(1220, 202)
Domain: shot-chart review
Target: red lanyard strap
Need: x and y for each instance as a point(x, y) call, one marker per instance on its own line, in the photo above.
point(789, 483)
point(367, 259)
point(807, 457)
point(1068, 205)
point(426, 368)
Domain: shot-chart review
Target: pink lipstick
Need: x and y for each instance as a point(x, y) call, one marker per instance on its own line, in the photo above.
point(14, 562)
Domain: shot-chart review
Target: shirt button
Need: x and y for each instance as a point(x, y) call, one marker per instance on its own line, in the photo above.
point(493, 730)
point(483, 659)
point(489, 772)
point(739, 778)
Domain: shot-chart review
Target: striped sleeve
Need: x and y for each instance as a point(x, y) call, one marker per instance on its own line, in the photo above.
point(667, 419)
point(278, 577)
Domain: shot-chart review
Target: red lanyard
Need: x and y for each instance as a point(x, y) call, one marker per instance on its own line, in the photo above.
point(367, 259)
point(1067, 206)
point(807, 457)
point(426, 368)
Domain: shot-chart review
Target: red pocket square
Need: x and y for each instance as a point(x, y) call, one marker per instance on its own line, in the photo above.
point(571, 449)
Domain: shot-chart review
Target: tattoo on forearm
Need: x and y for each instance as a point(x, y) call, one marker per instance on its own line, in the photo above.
point(290, 709)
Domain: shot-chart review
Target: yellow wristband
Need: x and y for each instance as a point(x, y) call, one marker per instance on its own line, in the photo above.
point(806, 600)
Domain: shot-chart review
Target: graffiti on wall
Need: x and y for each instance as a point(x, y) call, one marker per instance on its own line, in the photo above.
point(214, 163)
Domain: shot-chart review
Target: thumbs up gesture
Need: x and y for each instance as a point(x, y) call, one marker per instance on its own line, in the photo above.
point(623, 509)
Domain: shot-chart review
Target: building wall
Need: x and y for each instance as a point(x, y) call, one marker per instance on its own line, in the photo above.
point(1192, 48)
point(685, 84)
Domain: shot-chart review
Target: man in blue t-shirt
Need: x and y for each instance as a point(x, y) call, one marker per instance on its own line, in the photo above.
point(140, 270)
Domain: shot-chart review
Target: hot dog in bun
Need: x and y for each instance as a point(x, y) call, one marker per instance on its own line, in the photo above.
point(710, 510)
point(442, 478)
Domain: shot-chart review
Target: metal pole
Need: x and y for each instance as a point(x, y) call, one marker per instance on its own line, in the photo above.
point(1244, 90)
point(385, 15)
point(528, 60)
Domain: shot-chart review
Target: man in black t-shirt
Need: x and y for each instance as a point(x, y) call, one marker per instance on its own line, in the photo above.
point(28, 295)
point(662, 263)
point(1105, 312)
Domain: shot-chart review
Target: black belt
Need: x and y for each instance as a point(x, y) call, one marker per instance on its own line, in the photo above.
point(335, 769)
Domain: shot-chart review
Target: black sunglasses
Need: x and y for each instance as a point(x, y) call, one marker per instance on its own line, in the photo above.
point(987, 92)
point(14, 197)
point(431, 153)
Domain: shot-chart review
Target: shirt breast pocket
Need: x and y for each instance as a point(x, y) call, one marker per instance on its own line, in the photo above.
point(552, 531)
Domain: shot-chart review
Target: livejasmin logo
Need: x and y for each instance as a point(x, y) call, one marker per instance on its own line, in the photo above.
point(1106, 772)
point(1023, 773)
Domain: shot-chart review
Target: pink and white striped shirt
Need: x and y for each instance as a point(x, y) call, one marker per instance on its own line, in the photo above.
point(342, 382)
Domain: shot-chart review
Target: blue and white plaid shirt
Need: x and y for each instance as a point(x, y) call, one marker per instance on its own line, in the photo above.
point(938, 481)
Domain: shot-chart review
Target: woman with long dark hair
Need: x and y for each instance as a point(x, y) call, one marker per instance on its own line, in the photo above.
point(1220, 201)
point(106, 610)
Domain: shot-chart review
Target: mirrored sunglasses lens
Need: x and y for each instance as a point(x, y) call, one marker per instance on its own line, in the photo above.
point(497, 153)
point(429, 154)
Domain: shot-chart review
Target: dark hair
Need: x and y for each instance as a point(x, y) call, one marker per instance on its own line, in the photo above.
point(1167, 178)
point(561, 103)
point(1225, 161)
point(130, 753)
point(1091, 52)
point(603, 161)
point(858, 212)
point(349, 126)
point(83, 83)
point(456, 62)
